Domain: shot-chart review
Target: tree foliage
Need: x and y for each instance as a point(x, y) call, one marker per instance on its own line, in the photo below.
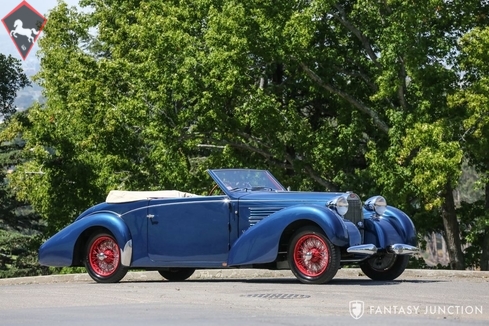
point(12, 79)
point(329, 95)
point(473, 99)
point(20, 227)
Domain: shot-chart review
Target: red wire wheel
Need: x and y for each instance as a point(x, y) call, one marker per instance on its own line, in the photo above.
point(312, 257)
point(104, 256)
point(103, 261)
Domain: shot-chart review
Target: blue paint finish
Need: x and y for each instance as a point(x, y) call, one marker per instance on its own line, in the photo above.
point(254, 206)
point(190, 231)
point(119, 208)
point(58, 250)
point(403, 224)
point(259, 244)
point(373, 233)
point(394, 226)
point(382, 232)
point(354, 236)
point(137, 223)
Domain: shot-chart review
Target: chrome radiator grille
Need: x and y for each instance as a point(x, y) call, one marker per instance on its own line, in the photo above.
point(355, 212)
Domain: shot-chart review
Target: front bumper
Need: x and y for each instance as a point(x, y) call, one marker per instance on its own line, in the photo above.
point(370, 249)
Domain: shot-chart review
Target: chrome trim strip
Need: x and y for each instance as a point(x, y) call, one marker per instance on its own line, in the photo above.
point(126, 254)
point(321, 201)
point(402, 249)
point(223, 200)
point(145, 207)
point(103, 211)
point(366, 249)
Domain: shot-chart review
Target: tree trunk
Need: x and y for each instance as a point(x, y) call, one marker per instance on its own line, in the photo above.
point(452, 230)
point(485, 241)
point(485, 251)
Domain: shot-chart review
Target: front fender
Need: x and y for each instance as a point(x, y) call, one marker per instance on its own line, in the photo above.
point(58, 250)
point(259, 244)
point(394, 226)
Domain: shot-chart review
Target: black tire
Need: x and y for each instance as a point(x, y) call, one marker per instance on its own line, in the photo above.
point(386, 267)
point(177, 274)
point(102, 259)
point(312, 257)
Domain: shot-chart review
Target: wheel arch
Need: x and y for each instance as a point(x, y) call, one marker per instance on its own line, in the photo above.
point(66, 246)
point(260, 243)
point(81, 243)
point(289, 231)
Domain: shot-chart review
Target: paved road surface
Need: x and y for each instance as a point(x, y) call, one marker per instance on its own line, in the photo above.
point(246, 298)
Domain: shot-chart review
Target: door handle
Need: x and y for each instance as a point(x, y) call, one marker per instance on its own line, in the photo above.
point(151, 218)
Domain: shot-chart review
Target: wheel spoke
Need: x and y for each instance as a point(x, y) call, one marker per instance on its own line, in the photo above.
point(104, 256)
point(311, 255)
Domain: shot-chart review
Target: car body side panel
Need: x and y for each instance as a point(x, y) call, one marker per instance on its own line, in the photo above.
point(354, 235)
point(137, 222)
point(189, 231)
point(259, 244)
point(58, 250)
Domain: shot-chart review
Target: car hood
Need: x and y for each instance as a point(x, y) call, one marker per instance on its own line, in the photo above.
point(296, 196)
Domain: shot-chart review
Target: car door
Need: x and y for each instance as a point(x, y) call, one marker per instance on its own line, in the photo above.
point(191, 232)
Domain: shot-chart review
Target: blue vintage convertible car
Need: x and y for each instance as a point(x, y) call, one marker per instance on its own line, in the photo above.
point(248, 220)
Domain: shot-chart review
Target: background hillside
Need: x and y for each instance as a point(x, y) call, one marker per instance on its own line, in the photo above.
point(27, 96)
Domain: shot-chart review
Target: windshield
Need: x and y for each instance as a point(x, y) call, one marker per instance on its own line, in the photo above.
point(248, 180)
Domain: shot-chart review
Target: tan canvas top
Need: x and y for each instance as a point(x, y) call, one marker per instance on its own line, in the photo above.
point(121, 196)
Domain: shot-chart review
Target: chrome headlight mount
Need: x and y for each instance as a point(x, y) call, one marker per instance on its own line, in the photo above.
point(376, 204)
point(339, 204)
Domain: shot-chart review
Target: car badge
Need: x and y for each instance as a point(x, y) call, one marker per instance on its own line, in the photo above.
point(352, 196)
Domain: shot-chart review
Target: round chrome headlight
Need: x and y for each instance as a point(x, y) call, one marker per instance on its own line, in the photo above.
point(378, 204)
point(339, 204)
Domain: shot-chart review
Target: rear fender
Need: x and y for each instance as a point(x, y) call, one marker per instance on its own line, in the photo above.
point(58, 251)
point(259, 244)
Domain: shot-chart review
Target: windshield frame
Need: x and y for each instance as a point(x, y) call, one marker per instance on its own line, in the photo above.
point(232, 187)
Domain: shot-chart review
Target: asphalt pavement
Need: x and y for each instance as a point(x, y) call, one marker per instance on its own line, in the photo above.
point(245, 274)
point(248, 297)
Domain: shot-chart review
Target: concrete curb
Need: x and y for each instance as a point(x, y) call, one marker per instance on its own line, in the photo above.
point(243, 274)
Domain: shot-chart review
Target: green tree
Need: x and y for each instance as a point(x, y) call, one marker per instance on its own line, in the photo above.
point(12, 79)
point(473, 99)
point(20, 227)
